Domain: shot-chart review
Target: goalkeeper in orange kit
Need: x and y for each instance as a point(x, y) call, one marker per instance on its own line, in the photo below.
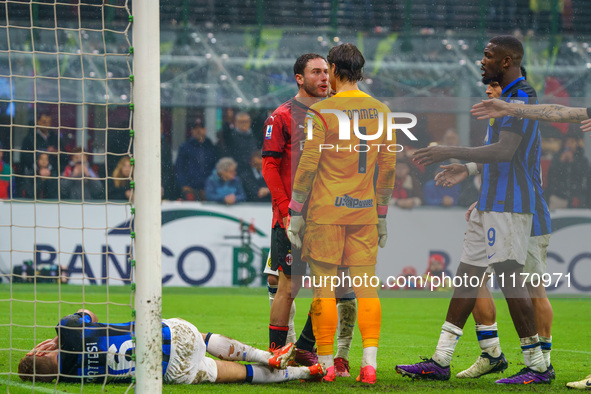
point(346, 216)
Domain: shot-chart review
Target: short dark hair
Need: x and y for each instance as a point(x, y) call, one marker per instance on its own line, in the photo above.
point(41, 369)
point(43, 113)
point(302, 61)
point(511, 46)
point(523, 72)
point(348, 61)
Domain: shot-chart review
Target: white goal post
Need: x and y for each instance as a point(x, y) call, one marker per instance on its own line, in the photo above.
point(146, 123)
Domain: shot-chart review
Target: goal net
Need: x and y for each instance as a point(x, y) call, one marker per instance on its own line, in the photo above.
point(68, 169)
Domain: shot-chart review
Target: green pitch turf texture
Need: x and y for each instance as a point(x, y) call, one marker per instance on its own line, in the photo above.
point(410, 329)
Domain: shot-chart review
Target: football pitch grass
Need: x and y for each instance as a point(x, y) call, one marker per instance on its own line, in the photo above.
point(411, 324)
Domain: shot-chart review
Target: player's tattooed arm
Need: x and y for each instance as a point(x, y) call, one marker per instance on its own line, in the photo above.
point(550, 113)
point(496, 108)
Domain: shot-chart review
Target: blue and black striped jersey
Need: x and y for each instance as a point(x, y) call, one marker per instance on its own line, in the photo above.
point(509, 186)
point(541, 220)
point(96, 351)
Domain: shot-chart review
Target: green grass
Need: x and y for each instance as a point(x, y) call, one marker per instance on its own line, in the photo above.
point(410, 329)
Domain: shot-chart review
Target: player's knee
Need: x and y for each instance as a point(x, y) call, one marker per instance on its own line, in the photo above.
point(272, 280)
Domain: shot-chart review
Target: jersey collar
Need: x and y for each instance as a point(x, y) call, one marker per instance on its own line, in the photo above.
point(511, 84)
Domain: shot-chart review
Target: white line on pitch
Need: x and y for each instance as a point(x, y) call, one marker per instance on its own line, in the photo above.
point(16, 383)
point(571, 351)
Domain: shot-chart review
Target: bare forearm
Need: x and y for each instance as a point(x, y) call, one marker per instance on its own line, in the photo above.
point(493, 153)
point(549, 112)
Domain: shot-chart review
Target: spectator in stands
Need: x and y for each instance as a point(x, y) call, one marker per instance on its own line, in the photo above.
point(195, 161)
point(223, 185)
point(436, 268)
point(43, 182)
point(79, 181)
point(6, 181)
point(441, 196)
point(567, 177)
point(170, 187)
point(407, 193)
point(119, 184)
point(449, 138)
point(239, 142)
point(252, 179)
point(407, 280)
point(42, 139)
point(228, 115)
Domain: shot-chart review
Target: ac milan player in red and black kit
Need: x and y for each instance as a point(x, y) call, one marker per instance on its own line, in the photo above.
point(284, 135)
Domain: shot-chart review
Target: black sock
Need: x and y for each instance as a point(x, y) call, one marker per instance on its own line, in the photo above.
point(277, 336)
point(307, 340)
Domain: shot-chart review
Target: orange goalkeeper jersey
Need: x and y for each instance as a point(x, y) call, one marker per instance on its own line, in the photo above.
point(343, 169)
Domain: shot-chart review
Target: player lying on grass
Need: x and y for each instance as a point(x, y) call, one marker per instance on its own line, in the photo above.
point(85, 349)
point(544, 112)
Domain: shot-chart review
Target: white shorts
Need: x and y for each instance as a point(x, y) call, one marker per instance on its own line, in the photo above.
point(268, 269)
point(188, 363)
point(494, 237)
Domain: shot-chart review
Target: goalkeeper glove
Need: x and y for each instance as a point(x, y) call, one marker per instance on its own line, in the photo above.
point(295, 227)
point(382, 231)
point(382, 225)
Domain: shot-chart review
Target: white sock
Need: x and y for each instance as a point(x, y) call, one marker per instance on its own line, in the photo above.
point(347, 308)
point(263, 374)
point(272, 290)
point(450, 335)
point(326, 361)
point(532, 353)
point(488, 339)
point(546, 344)
point(370, 355)
point(230, 349)
point(291, 336)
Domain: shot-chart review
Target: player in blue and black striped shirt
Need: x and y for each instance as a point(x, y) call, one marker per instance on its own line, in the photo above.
point(492, 359)
point(499, 229)
point(89, 351)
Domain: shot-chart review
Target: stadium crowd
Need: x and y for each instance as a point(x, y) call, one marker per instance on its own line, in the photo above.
point(49, 169)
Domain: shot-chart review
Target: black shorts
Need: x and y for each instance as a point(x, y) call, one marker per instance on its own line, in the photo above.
point(283, 256)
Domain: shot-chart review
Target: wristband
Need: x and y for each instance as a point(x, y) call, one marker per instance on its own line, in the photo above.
point(472, 168)
point(589, 112)
point(294, 213)
point(295, 206)
point(382, 210)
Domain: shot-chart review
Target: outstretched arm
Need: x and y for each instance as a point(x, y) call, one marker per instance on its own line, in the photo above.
point(496, 108)
point(501, 151)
